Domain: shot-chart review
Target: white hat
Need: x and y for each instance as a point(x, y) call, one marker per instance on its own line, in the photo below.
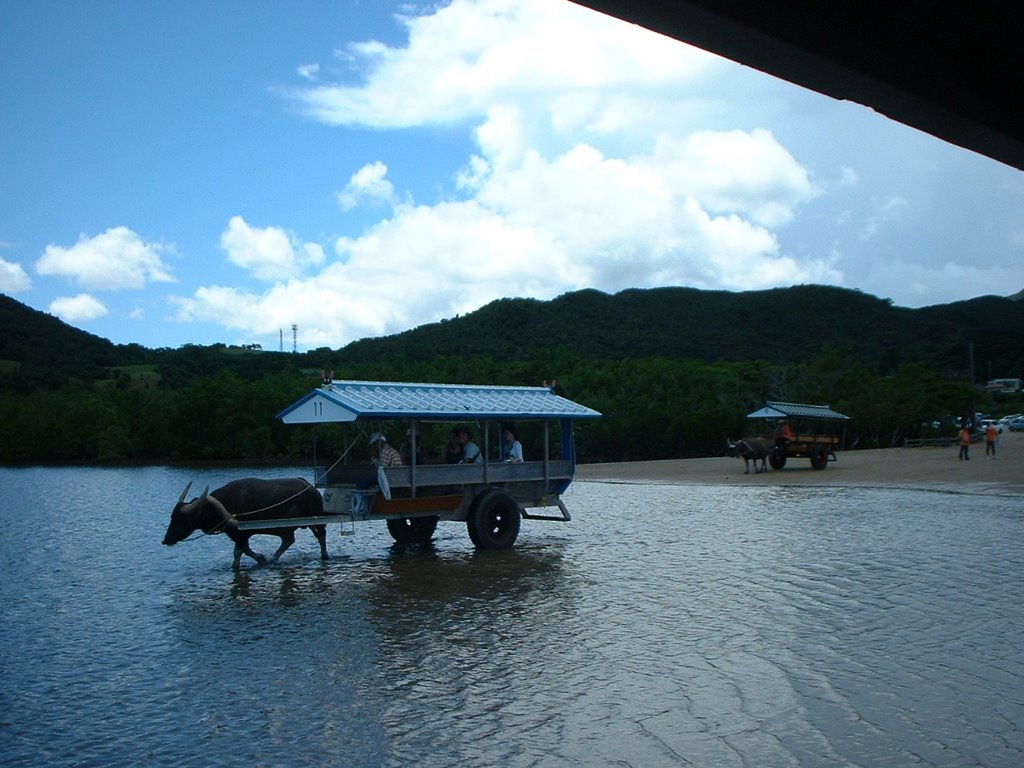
point(378, 436)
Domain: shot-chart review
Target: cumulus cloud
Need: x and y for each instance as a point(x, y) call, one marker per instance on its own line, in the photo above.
point(584, 174)
point(268, 253)
point(117, 259)
point(368, 185)
point(13, 278)
point(539, 229)
point(77, 309)
point(748, 173)
point(468, 55)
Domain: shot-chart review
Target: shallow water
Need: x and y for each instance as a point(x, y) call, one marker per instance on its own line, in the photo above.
point(665, 625)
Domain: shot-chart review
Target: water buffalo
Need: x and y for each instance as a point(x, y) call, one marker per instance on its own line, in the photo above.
point(752, 449)
point(251, 499)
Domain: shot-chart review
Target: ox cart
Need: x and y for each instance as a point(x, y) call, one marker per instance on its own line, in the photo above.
point(490, 494)
point(799, 430)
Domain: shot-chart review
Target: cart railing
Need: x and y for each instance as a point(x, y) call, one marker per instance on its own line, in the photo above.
point(424, 476)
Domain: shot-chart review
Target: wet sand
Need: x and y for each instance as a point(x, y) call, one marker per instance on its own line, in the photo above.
point(928, 468)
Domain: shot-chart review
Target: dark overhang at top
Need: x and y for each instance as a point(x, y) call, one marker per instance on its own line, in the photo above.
point(946, 68)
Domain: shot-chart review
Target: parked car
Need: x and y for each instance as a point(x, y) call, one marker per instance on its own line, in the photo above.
point(985, 422)
point(1017, 425)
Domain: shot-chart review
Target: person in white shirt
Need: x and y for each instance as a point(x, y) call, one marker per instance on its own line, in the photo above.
point(511, 448)
point(470, 450)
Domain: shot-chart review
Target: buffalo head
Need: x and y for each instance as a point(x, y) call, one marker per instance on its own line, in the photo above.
point(186, 517)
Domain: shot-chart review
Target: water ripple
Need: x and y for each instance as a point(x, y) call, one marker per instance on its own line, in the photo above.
point(665, 626)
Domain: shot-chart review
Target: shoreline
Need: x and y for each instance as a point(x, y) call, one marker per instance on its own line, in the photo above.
point(923, 468)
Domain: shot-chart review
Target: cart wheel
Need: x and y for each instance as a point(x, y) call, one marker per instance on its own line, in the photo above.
point(777, 461)
point(493, 520)
point(819, 457)
point(412, 530)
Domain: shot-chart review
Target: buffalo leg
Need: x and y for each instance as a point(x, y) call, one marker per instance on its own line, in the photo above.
point(320, 531)
point(287, 539)
point(242, 548)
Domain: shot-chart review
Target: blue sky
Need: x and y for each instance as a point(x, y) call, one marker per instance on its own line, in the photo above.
point(193, 172)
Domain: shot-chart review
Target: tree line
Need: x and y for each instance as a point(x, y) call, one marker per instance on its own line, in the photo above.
point(653, 408)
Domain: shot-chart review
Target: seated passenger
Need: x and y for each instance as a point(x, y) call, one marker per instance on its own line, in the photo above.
point(451, 452)
point(382, 455)
point(783, 435)
point(470, 450)
point(511, 448)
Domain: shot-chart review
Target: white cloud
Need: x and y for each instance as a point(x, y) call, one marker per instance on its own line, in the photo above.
point(642, 202)
point(13, 278)
point(537, 229)
point(114, 260)
point(77, 309)
point(469, 55)
point(884, 212)
point(742, 172)
point(368, 185)
point(308, 71)
point(268, 253)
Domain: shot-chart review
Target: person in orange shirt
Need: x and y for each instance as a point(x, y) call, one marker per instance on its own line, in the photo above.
point(991, 435)
point(783, 435)
point(965, 443)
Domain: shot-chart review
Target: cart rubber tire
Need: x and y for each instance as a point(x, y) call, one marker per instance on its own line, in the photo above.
point(819, 457)
point(412, 530)
point(493, 520)
point(777, 461)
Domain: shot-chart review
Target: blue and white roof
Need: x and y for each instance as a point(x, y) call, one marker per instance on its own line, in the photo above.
point(352, 400)
point(776, 410)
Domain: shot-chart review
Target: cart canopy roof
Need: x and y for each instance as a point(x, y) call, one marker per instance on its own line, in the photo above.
point(776, 410)
point(340, 401)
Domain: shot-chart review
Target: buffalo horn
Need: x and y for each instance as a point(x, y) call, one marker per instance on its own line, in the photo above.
point(193, 506)
point(185, 492)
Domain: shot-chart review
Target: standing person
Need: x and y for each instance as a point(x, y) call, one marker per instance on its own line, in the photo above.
point(470, 450)
point(965, 443)
point(991, 435)
point(511, 448)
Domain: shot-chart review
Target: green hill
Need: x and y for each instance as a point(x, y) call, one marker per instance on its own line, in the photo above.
point(782, 326)
point(785, 325)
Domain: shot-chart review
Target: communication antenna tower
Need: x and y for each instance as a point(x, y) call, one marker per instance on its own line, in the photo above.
point(295, 337)
point(280, 340)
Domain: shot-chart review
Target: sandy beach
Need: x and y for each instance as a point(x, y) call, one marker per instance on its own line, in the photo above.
point(928, 468)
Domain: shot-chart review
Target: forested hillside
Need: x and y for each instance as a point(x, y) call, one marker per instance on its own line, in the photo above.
point(786, 325)
point(674, 370)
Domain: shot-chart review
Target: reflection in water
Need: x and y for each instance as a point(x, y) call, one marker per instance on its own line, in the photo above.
point(663, 626)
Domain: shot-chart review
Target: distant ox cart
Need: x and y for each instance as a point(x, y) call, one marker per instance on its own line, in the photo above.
point(784, 431)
